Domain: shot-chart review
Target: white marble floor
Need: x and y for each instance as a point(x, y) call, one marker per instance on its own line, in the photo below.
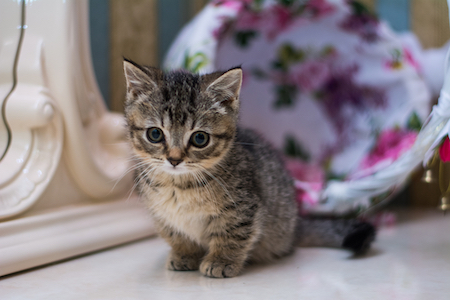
point(409, 261)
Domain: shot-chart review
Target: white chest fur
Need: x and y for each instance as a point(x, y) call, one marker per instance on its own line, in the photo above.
point(185, 211)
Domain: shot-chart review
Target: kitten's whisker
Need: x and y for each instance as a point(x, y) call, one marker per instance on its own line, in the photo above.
point(131, 168)
point(197, 189)
point(136, 182)
point(220, 182)
point(206, 185)
point(112, 144)
point(142, 175)
point(250, 144)
point(132, 158)
point(134, 166)
point(134, 187)
point(225, 169)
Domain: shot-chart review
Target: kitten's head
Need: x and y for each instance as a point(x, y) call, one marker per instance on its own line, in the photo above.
point(179, 122)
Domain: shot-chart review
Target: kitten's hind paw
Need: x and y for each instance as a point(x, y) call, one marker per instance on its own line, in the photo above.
point(218, 269)
point(359, 238)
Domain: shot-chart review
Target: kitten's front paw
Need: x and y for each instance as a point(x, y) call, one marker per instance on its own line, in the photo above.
point(183, 263)
point(217, 269)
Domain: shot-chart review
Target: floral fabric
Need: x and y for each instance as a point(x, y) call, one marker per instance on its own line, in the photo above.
point(324, 80)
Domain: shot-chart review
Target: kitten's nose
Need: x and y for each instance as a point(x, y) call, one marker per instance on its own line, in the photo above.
point(174, 162)
point(175, 157)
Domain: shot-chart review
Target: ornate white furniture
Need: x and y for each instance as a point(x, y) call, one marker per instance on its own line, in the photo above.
point(64, 186)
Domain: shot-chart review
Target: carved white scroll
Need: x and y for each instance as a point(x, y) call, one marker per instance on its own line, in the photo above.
point(56, 92)
point(57, 123)
point(36, 142)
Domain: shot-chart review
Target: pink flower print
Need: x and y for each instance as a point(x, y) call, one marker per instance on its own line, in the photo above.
point(390, 145)
point(303, 171)
point(308, 181)
point(396, 62)
point(276, 19)
point(320, 8)
point(401, 56)
point(410, 59)
point(394, 65)
point(310, 75)
point(220, 31)
point(341, 91)
point(279, 77)
point(281, 17)
point(234, 4)
point(247, 20)
point(444, 150)
point(362, 23)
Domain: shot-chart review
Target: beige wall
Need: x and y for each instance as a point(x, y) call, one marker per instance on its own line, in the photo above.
point(133, 34)
point(133, 29)
point(429, 20)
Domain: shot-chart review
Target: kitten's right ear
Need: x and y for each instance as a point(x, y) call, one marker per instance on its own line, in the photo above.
point(138, 82)
point(227, 87)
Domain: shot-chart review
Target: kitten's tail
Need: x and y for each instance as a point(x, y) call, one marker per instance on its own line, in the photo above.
point(337, 233)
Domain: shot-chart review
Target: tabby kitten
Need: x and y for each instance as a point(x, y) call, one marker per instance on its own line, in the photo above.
point(219, 194)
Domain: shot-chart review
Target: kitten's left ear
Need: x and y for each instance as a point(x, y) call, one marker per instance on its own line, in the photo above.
point(138, 81)
point(228, 87)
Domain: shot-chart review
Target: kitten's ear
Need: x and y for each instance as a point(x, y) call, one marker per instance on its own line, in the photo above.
point(138, 82)
point(228, 87)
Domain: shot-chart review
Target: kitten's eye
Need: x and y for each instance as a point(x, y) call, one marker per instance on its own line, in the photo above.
point(155, 135)
point(200, 139)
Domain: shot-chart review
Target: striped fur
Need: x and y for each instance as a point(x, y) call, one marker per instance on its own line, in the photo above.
point(224, 204)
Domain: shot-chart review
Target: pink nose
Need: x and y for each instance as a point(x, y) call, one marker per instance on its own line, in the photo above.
point(175, 162)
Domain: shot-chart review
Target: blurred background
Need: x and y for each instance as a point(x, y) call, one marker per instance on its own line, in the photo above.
point(143, 31)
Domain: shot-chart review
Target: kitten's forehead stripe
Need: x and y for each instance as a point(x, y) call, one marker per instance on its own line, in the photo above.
point(224, 135)
point(136, 128)
point(165, 92)
point(194, 122)
point(167, 121)
point(170, 113)
point(180, 95)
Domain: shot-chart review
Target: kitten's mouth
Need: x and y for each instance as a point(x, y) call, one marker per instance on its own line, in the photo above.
point(175, 170)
